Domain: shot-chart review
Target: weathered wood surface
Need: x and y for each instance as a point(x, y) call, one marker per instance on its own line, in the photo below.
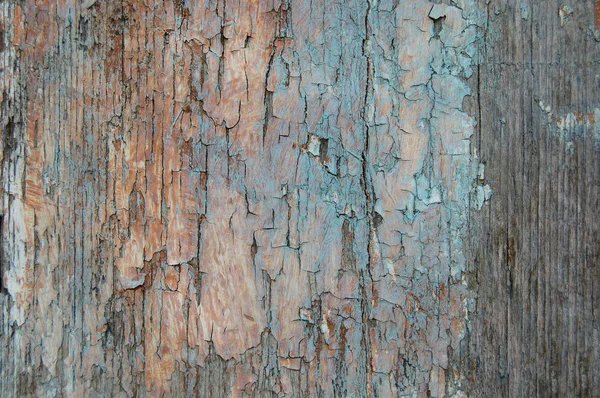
point(536, 247)
point(292, 198)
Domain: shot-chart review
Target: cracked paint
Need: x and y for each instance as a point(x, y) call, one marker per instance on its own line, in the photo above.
point(280, 187)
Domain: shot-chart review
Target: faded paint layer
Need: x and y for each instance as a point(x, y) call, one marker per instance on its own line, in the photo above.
point(570, 125)
point(193, 182)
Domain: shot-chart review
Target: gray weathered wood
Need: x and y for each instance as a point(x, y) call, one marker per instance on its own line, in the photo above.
point(536, 247)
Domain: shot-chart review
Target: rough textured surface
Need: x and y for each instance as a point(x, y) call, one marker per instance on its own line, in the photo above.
point(290, 198)
point(536, 247)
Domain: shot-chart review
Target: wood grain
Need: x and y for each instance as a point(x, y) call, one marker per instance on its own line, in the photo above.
point(300, 198)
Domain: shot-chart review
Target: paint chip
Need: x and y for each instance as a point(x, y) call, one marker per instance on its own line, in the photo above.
point(564, 12)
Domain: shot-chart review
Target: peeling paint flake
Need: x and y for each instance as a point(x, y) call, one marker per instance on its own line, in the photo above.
point(564, 12)
point(263, 197)
point(568, 126)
